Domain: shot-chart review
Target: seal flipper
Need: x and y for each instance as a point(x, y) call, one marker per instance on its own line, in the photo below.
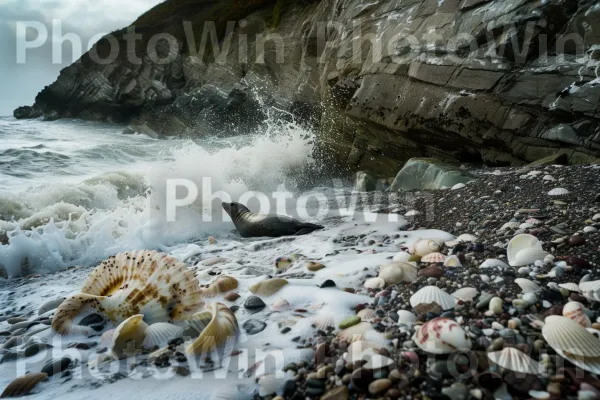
point(307, 228)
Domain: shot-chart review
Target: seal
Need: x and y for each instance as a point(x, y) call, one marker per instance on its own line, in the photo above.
point(250, 224)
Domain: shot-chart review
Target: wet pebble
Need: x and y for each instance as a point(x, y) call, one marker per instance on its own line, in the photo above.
point(253, 326)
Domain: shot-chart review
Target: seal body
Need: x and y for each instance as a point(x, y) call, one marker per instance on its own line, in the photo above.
point(250, 224)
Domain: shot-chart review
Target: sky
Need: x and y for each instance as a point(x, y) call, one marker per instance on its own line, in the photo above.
point(25, 71)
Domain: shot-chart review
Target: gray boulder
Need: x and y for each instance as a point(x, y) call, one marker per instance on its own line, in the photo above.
point(429, 173)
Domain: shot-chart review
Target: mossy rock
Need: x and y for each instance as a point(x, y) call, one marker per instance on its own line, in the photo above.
point(350, 321)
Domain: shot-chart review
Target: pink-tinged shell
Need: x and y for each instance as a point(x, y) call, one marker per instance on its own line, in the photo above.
point(442, 336)
point(574, 311)
point(280, 304)
point(434, 258)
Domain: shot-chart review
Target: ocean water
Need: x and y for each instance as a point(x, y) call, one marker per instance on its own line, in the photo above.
point(74, 192)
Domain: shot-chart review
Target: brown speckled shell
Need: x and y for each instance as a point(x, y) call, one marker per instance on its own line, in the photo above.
point(223, 325)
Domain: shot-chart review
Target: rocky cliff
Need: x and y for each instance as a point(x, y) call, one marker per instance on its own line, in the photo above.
point(499, 82)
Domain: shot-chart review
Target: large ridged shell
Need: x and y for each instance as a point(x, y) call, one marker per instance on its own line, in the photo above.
point(432, 294)
point(374, 283)
point(527, 286)
point(425, 246)
point(515, 360)
point(569, 337)
point(591, 290)
point(160, 334)
point(268, 288)
point(398, 272)
point(434, 257)
point(359, 329)
point(24, 385)
point(222, 327)
point(466, 294)
point(324, 323)
point(128, 336)
point(452, 261)
point(142, 282)
point(367, 314)
point(575, 311)
point(222, 284)
point(570, 286)
point(442, 336)
point(529, 246)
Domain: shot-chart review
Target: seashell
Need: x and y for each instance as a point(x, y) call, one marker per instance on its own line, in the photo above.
point(442, 336)
point(515, 360)
point(548, 178)
point(254, 303)
point(128, 337)
point(452, 261)
point(401, 257)
point(406, 317)
point(530, 298)
point(268, 385)
point(493, 263)
point(212, 240)
point(324, 323)
point(558, 192)
point(467, 294)
point(283, 263)
point(128, 284)
point(24, 385)
point(314, 266)
point(573, 342)
point(367, 314)
point(160, 334)
point(375, 283)
point(510, 225)
point(575, 311)
point(268, 288)
point(466, 238)
point(358, 330)
point(412, 213)
point(432, 294)
point(106, 338)
point(398, 272)
point(423, 247)
point(434, 257)
point(539, 395)
point(527, 286)
point(223, 325)
point(590, 289)
point(357, 349)
point(376, 361)
point(280, 304)
point(524, 249)
point(571, 287)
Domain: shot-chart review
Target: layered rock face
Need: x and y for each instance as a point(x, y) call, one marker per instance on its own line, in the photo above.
point(499, 82)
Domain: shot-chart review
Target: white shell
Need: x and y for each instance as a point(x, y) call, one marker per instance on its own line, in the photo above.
point(324, 322)
point(528, 257)
point(160, 334)
point(406, 317)
point(493, 263)
point(452, 261)
point(515, 360)
point(524, 249)
point(432, 294)
point(458, 186)
point(423, 247)
point(466, 237)
point(267, 385)
point(280, 304)
point(412, 213)
point(590, 289)
point(575, 311)
point(510, 225)
point(442, 336)
point(376, 361)
point(572, 287)
point(527, 286)
point(466, 294)
point(434, 257)
point(128, 336)
point(367, 314)
point(374, 283)
point(596, 217)
point(391, 273)
point(358, 330)
point(357, 349)
point(573, 342)
point(558, 192)
point(401, 257)
point(549, 178)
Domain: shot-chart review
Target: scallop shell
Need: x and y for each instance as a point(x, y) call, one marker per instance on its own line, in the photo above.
point(573, 342)
point(452, 261)
point(268, 288)
point(591, 290)
point(374, 283)
point(360, 329)
point(527, 286)
point(222, 327)
point(24, 385)
point(406, 317)
point(128, 337)
point(434, 258)
point(493, 263)
point(280, 304)
point(524, 249)
point(222, 284)
point(466, 294)
point(558, 192)
point(128, 284)
point(160, 334)
point(401, 257)
point(442, 336)
point(398, 272)
point(575, 311)
point(515, 360)
point(324, 323)
point(367, 315)
point(432, 294)
point(423, 247)
point(572, 287)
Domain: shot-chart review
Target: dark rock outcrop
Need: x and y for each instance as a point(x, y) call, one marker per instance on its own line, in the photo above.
point(493, 81)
